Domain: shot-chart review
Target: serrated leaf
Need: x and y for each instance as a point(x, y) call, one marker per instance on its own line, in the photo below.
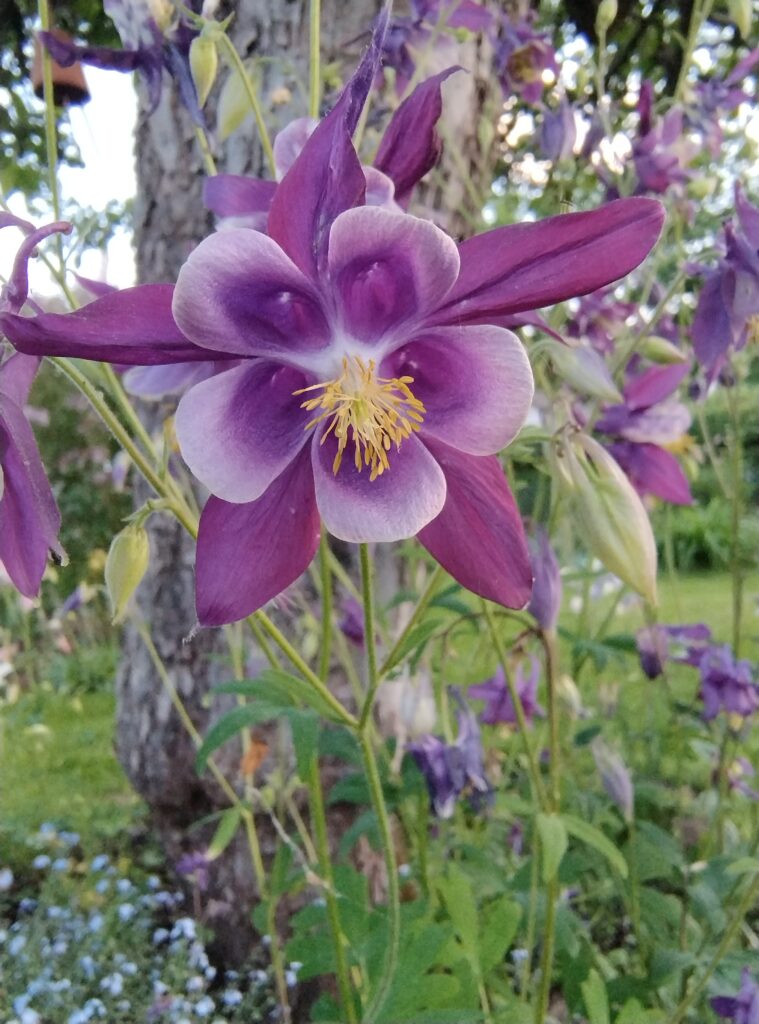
point(230, 725)
point(553, 844)
point(500, 921)
point(225, 832)
point(595, 998)
point(459, 898)
point(279, 688)
point(592, 836)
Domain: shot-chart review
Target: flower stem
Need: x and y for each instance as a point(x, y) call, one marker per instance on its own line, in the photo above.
point(393, 888)
point(736, 496)
point(370, 635)
point(205, 151)
point(699, 13)
point(314, 76)
point(546, 960)
point(421, 607)
point(236, 62)
point(749, 898)
point(325, 572)
point(51, 141)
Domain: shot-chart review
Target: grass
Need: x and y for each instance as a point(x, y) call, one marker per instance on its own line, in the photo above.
point(57, 764)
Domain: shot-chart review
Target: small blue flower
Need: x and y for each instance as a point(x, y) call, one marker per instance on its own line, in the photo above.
point(98, 863)
point(41, 862)
point(126, 912)
point(204, 1007)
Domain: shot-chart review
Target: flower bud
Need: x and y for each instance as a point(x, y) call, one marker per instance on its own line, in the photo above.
point(659, 350)
point(584, 369)
point(125, 566)
point(204, 63)
point(607, 12)
point(740, 15)
point(608, 513)
point(615, 777)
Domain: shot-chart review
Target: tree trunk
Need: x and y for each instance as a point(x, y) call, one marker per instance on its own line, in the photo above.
point(153, 746)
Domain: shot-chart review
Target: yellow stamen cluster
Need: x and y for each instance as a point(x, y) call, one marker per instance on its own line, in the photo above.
point(753, 329)
point(372, 412)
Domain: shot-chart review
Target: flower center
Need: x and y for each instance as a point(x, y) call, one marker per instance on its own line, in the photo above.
point(753, 329)
point(373, 413)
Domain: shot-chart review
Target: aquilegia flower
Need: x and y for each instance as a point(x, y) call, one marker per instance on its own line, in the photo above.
point(727, 685)
point(684, 645)
point(376, 379)
point(742, 1008)
point(29, 518)
point(499, 707)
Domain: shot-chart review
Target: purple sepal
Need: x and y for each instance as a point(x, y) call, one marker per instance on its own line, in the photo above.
point(726, 684)
point(653, 470)
point(545, 603)
point(654, 385)
point(742, 1008)
point(239, 201)
point(16, 291)
point(499, 706)
point(411, 145)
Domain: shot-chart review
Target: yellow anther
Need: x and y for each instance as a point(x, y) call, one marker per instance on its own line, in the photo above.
point(374, 413)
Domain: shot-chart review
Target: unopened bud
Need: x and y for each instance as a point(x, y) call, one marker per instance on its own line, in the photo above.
point(659, 350)
point(584, 369)
point(615, 777)
point(608, 513)
point(740, 15)
point(204, 63)
point(125, 566)
point(607, 12)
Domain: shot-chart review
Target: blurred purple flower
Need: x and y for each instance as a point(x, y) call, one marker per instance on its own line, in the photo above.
point(545, 602)
point(716, 97)
point(737, 775)
point(648, 420)
point(600, 317)
point(558, 132)
point(727, 314)
point(726, 684)
point(661, 152)
point(148, 47)
point(352, 621)
point(499, 706)
point(196, 866)
point(522, 56)
point(742, 1008)
point(615, 777)
point(684, 645)
point(456, 769)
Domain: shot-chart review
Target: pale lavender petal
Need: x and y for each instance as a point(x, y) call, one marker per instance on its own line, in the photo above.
point(249, 553)
point(238, 201)
point(153, 382)
point(134, 326)
point(527, 266)
point(380, 190)
point(16, 377)
point(748, 216)
point(327, 177)
point(393, 507)
point(239, 430)
point(388, 268)
point(411, 145)
point(96, 288)
point(474, 382)
point(239, 293)
point(478, 537)
point(289, 143)
point(29, 519)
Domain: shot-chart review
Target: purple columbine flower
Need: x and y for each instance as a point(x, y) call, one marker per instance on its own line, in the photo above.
point(684, 645)
point(647, 421)
point(196, 866)
point(601, 317)
point(615, 777)
point(522, 56)
point(661, 152)
point(154, 38)
point(727, 314)
point(558, 132)
point(726, 684)
point(717, 96)
point(376, 380)
point(29, 517)
point(499, 706)
point(742, 1008)
point(545, 602)
point(451, 770)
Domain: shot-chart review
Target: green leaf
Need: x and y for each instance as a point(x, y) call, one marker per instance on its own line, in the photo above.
point(592, 836)
point(305, 727)
point(460, 901)
point(500, 920)
point(230, 724)
point(281, 689)
point(743, 866)
point(595, 998)
point(633, 1013)
point(225, 832)
point(553, 844)
point(417, 638)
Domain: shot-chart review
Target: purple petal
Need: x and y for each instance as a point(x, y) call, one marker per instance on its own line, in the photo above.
point(247, 554)
point(29, 519)
point(289, 143)
point(411, 145)
point(478, 537)
point(239, 430)
point(96, 288)
point(16, 376)
point(241, 294)
point(474, 382)
point(16, 291)
point(238, 201)
point(66, 53)
point(712, 329)
point(388, 268)
point(10, 220)
point(748, 216)
point(327, 177)
point(380, 190)
point(654, 385)
point(134, 326)
point(395, 506)
point(153, 382)
point(526, 266)
point(653, 470)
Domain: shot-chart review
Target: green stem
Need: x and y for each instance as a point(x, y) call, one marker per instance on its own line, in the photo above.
point(325, 571)
point(749, 898)
point(234, 59)
point(532, 916)
point(699, 14)
point(319, 820)
point(205, 151)
point(546, 959)
point(51, 141)
point(314, 69)
point(116, 389)
point(393, 888)
point(538, 790)
point(370, 635)
point(421, 606)
point(736, 494)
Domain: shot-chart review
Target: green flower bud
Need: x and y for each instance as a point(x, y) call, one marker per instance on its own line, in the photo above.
point(204, 63)
point(659, 350)
point(583, 368)
point(607, 512)
point(607, 12)
point(125, 566)
point(740, 15)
